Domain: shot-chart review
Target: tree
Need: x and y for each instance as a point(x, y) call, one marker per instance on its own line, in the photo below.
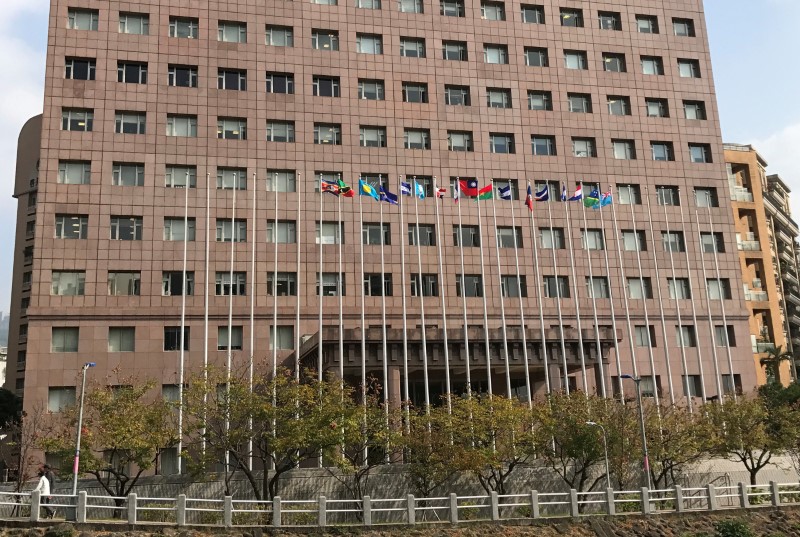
point(429, 449)
point(10, 407)
point(775, 356)
point(18, 449)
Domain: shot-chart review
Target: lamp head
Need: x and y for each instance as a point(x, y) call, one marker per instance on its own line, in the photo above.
point(591, 423)
point(87, 365)
point(627, 377)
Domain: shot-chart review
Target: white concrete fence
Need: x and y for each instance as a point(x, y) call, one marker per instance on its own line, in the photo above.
point(321, 512)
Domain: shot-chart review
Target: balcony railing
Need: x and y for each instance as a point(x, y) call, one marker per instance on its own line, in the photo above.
point(750, 246)
point(763, 346)
point(739, 193)
point(757, 296)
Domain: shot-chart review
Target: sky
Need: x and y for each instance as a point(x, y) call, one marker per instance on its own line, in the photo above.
point(754, 55)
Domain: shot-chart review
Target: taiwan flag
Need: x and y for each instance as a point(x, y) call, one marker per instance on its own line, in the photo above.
point(469, 187)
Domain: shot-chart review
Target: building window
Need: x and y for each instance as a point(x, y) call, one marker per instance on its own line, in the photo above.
point(182, 76)
point(233, 343)
point(77, 119)
point(411, 47)
point(284, 285)
point(673, 241)
point(662, 151)
point(121, 339)
point(67, 283)
point(231, 128)
point(282, 232)
point(411, 6)
point(369, 44)
point(580, 103)
point(536, 57)
point(373, 287)
point(619, 105)
point(124, 283)
point(656, 107)
point(634, 240)
point(74, 172)
point(230, 178)
point(597, 287)
point(415, 92)
point(719, 289)
point(224, 287)
point(280, 131)
point(629, 194)
point(69, 226)
point(509, 237)
point(331, 285)
point(281, 337)
point(700, 153)
point(232, 79)
point(692, 386)
point(232, 32)
point(417, 139)
point(501, 142)
point(584, 147)
point(497, 54)
point(609, 20)
point(280, 83)
point(451, 8)
point(652, 65)
point(60, 398)
point(688, 68)
point(130, 122)
point(647, 24)
point(372, 136)
point(712, 242)
point(644, 335)
point(172, 339)
point(375, 234)
point(127, 174)
point(281, 181)
point(172, 283)
point(556, 287)
point(469, 236)
point(280, 36)
point(694, 110)
point(593, 239)
point(540, 100)
point(182, 126)
point(425, 235)
point(614, 63)
point(126, 228)
point(513, 286)
point(228, 230)
point(679, 288)
point(668, 195)
point(372, 90)
point(532, 14)
point(732, 384)
point(686, 336)
point(183, 27)
point(332, 233)
point(493, 11)
point(325, 39)
point(683, 27)
point(498, 97)
point(64, 339)
point(328, 133)
point(132, 72)
point(454, 50)
point(513, 186)
point(624, 149)
point(571, 17)
point(706, 197)
point(552, 238)
point(80, 68)
point(640, 288)
point(457, 95)
point(459, 141)
point(134, 23)
point(82, 19)
point(543, 145)
point(469, 285)
point(176, 229)
point(323, 86)
point(429, 285)
point(575, 59)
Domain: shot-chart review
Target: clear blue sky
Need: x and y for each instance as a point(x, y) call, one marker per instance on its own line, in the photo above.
point(754, 47)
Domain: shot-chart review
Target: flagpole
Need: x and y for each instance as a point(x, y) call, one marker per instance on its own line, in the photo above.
point(363, 321)
point(403, 239)
point(611, 292)
point(463, 291)
point(538, 287)
point(230, 315)
point(502, 300)
point(577, 300)
point(340, 235)
point(297, 236)
point(422, 305)
point(717, 371)
point(661, 301)
point(524, 327)
point(598, 346)
point(275, 282)
point(485, 307)
point(441, 289)
point(253, 319)
point(321, 290)
point(559, 298)
point(183, 323)
point(205, 313)
point(383, 323)
point(624, 285)
point(694, 317)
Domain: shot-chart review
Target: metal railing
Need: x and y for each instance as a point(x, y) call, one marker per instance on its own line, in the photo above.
point(321, 512)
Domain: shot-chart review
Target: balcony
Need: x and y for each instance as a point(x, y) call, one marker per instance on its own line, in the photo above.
point(763, 346)
point(756, 296)
point(749, 246)
point(792, 296)
point(742, 194)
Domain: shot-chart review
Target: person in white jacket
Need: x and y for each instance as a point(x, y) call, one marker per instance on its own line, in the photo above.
point(44, 489)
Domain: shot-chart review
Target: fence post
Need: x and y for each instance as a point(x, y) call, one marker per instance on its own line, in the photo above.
point(132, 501)
point(573, 502)
point(494, 503)
point(412, 512)
point(646, 510)
point(276, 512)
point(776, 493)
point(322, 511)
point(80, 514)
point(180, 507)
point(36, 500)
point(535, 513)
point(611, 507)
point(453, 508)
point(366, 505)
point(744, 499)
point(679, 499)
point(227, 512)
point(712, 497)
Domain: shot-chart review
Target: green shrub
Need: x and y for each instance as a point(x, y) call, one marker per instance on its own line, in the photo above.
point(732, 528)
point(155, 516)
point(288, 518)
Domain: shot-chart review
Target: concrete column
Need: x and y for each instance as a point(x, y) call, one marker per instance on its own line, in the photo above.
point(712, 497)
point(322, 512)
point(646, 510)
point(453, 508)
point(36, 500)
point(744, 499)
point(227, 512)
point(494, 503)
point(535, 513)
point(395, 389)
point(180, 513)
point(132, 501)
point(412, 512)
point(276, 512)
point(611, 507)
point(679, 507)
point(573, 503)
point(366, 504)
point(80, 514)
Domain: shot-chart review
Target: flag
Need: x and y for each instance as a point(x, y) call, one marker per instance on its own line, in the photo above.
point(563, 192)
point(331, 187)
point(440, 192)
point(405, 188)
point(529, 198)
point(592, 200)
point(469, 188)
point(543, 194)
point(578, 195)
point(456, 191)
point(419, 190)
point(345, 190)
point(366, 189)
point(485, 193)
point(505, 192)
point(605, 199)
point(388, 197)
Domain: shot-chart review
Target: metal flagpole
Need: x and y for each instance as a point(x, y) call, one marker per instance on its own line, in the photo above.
point(577, 300)
point(485, 307)
point(274, 289)
point(694, 317)
point(717, 371)
point(205, 313)
point(441, 290)
point(524, 327)
point(661, 301)
point(538, 286)
point(559, 297)
point(610, 288)
point(406, 400)
point(252, 321)
point(502, 301)
point(623, 281)
point(463, 293)
point(297, 236)
point(183, 323)
point(598, 346)
point(229, 363)
point(341, 279)
point(422, 305)
point(321, 293)
point(363, 322)
point(383, 322)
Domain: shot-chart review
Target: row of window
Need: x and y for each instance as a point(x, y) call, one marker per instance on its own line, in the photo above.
point(493, 10)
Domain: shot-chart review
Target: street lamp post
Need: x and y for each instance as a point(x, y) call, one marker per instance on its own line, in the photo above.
point(646, 462)
point(605, 450)
point(86, 366)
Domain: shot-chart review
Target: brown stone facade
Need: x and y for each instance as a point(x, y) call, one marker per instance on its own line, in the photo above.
point(655, 108)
